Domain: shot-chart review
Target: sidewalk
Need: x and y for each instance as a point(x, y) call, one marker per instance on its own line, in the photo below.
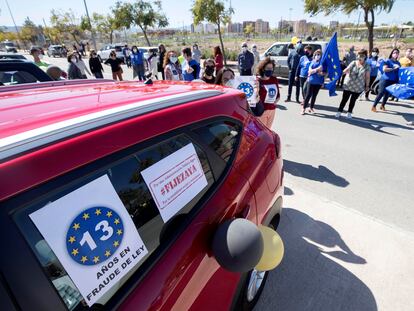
point(338, 259)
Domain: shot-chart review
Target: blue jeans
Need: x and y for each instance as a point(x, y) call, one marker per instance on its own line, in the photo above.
point(292, 83)
point(382, 92)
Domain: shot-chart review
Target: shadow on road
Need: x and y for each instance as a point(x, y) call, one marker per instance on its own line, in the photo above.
point(320, 173)
point(307, 279)
point(288, 191)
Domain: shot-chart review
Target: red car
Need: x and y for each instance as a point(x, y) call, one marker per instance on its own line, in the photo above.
point(111, 194)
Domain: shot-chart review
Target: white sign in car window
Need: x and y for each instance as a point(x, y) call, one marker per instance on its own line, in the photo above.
point(93, 236)
point(175, 180)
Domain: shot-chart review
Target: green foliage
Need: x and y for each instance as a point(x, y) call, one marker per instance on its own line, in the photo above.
point(143, 14)
point(66, 23)
point(347, 6)
point(249, 30)
point(29, 32)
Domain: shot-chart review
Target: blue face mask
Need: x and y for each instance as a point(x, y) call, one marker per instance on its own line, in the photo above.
point(268, 73)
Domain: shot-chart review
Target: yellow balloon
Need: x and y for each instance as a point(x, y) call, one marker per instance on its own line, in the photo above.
point(273, 249)
point(294, 40)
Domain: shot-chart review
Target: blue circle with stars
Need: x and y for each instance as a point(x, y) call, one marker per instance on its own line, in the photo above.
point(272, 92)
point(94, 235)
point(247, 88)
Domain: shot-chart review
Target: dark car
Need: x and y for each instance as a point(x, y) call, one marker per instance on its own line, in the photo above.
point(4, 55)
point(18, 71)
point(56, 50)
point(8, 47)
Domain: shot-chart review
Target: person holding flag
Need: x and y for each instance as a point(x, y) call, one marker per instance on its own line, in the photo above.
point(332, 63)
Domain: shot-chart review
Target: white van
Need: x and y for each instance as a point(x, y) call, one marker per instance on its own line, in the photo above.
point(278, 51)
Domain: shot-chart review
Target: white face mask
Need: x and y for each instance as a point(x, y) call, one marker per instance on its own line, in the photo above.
point(73, 60)
point(374, 54)
point(244, 49)
point(135, 50)
point(317, 57)
point(173, 59)
point(41, 56)
point(254, 49)
point(229, 83)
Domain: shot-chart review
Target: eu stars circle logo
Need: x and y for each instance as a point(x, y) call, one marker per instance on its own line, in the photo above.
point(272, 92)
point(94, 235)
point(247, 88)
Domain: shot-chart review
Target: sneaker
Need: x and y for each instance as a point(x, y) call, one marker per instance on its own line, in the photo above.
point(338, 114)
point(302, 112)
point(287, 100)
point(367, 99)
point(383, 108)
point(349, 115)
point(373, 109)
point(311, 110)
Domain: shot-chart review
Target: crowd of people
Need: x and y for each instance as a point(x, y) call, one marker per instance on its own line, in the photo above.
point(306, 71)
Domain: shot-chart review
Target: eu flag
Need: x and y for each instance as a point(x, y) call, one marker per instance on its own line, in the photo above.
point(332, 64)
point(405, 87)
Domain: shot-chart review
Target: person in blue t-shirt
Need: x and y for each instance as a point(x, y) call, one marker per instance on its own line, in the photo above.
point(302, 69)
point(374, 64)
point(389, 77)
point(316, 77)
point(137, 62)
point(191, 69)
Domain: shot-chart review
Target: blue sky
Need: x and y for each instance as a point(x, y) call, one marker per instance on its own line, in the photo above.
point(178, 11)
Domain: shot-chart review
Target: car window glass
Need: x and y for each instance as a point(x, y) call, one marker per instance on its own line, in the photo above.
point(126, 178)
point(315, 46)
point(11, 77)
point(220, 136)
point(278, 50)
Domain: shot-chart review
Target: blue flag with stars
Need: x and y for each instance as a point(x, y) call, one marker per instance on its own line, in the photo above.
point(332, 65)
point(405, 87)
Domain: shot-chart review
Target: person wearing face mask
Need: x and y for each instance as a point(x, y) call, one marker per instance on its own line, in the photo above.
point(389, 77)
point(115, 64)
point(256, 58)
point(245, 61)
point(191, 68)
point(225, 77)
point(82, 67)
point(407, 60)
point(196, 55)
point(374, 64)
point(218, 59)
point(356, 81)
point(137, 62)
point(73, 70)
point(172, 68)
point(37, 58)
point(161, 51)
point(268, 92)
point(316, 77)
point(95, 65)
point(293, 63)
point(152, 64)
point(303, 68)
point(208, 74)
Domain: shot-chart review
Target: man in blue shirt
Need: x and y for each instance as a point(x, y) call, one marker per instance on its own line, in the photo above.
point(293, 62)
point(245, 61)
point(302, 69)
point(374, 64)
point(137, 62)
point(191, 68)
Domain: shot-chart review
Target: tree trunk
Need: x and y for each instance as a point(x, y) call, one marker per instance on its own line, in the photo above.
point(370, 26)
point(221, 43)
point(74, 38)
point(145, 35)
point(111, 36)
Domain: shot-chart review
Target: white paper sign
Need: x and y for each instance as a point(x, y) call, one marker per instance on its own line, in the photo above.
point(247, 84)
point(93, 236)
point(175, 180)
point(271, 93)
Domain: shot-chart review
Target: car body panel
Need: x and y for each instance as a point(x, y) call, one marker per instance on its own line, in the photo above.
point(104, 52)
point(15, 71)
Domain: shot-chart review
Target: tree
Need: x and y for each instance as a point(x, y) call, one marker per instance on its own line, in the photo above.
point(66, 23)
point(143, 14)
point(212, 11)
point(248, 30)
point(103, 24)
point(348, 6)
point(29, 31)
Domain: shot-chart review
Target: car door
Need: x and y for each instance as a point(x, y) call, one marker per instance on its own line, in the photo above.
point(175, 269)
point(279, 53)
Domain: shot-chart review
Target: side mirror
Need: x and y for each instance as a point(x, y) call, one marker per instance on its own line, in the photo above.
point(238, 245)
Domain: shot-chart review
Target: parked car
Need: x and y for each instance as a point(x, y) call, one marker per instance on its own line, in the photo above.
point(17, 71)
point(56, 50)
point(147, 50)
point(8, 47)
point(105, 204)
point(278, 51)
point(4, 55)
point(103, 53)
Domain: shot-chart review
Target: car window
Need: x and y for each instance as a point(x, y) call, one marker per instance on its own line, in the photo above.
point(127, 179)
point(316, 47)
point(222, 137)
point(278, 50)
point(11, 77)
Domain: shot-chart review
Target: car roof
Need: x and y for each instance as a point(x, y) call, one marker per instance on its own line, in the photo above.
point(24, 113)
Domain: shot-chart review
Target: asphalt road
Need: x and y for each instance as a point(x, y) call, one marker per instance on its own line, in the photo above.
point(348, 220)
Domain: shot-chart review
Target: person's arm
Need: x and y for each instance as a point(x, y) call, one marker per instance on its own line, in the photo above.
point(367, 78)
point(108, 62)
point(91, 65)
point(194, 72)
point(299, 68)
point(167, 73)
point(288, 61)
point(347, 69)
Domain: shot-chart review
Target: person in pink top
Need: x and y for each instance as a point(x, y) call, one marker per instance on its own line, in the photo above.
point(218, 59)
